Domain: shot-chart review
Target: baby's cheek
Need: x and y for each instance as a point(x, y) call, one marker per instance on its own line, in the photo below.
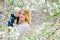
point(16, 14)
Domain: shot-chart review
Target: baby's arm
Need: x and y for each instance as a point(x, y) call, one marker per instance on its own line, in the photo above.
point(15, 21)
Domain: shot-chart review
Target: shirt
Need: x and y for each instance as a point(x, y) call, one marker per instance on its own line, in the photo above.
point(22, 28)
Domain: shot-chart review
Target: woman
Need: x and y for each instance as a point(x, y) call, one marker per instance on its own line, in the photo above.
point(24, 21)
point(23, 24)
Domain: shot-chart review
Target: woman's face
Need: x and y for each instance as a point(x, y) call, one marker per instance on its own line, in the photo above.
point(21, 15)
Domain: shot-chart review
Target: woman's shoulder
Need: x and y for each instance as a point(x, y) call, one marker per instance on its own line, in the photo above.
point(26, 24)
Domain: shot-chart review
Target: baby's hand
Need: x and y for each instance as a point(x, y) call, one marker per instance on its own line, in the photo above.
point(9, 29)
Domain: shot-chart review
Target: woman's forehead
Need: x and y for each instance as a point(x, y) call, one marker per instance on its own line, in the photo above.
point(22, 11)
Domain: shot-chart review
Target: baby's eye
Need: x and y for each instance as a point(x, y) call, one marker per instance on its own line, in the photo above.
point(19, 13)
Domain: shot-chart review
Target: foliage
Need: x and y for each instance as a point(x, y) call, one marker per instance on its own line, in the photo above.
point(11, 2)
point(39, 7)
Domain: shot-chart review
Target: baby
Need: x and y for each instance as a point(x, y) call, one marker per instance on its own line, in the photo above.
point(14, 17)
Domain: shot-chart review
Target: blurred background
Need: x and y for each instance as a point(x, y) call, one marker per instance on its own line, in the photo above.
point(45, 16)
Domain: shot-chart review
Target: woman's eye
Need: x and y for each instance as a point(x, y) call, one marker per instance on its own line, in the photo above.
point(23, 14)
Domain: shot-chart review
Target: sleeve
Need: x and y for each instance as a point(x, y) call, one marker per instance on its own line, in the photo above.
point(10, 24)
point(11, 21)
point(12, 18)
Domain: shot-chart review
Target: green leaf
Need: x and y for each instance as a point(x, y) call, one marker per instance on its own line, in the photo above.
point(11, 2)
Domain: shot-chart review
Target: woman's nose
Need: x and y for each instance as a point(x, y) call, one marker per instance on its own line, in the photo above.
point(20, 15)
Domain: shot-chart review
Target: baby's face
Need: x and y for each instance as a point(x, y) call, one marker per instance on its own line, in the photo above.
point(16, 13)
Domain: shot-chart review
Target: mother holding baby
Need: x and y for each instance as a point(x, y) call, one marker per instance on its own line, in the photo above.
point(22, 21)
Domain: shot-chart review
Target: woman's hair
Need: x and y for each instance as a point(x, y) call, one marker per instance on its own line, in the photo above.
point(27, 15)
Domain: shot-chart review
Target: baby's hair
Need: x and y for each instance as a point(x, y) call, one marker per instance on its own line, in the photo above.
point(17, 9)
